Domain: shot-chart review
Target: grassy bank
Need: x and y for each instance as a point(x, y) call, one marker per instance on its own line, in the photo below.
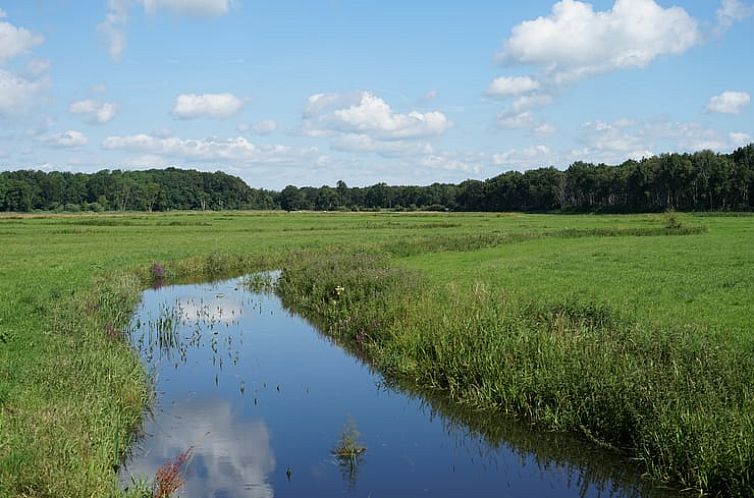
point(676, 398)
point(586, 323)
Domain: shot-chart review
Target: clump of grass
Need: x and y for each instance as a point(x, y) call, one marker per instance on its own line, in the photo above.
point(348, 452)
point(168, 479)
point(157, 273)
point(166, 326)
point(349, 447)
point(672, 220)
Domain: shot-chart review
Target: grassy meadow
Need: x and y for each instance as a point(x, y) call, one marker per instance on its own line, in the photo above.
point(633, 331)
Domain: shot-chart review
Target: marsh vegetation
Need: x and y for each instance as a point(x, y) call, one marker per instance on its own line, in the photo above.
point(630, 331)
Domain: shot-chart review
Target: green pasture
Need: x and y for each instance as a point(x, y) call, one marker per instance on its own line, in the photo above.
point(71, 394)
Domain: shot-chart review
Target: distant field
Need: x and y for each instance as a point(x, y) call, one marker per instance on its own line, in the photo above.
point(70, 395)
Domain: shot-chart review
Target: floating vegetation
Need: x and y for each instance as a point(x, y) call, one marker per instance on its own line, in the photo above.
point(349, 447)
point(349, 451)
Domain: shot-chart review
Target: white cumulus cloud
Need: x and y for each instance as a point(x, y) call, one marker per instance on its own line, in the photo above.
point(512, 85)
point(15, 41)
point(729, 102)
point(208, 105)
point(365, 113)
point(363, 122)
point(17, 93)
point(93, 111)
point(70, 138)
point(574, 41)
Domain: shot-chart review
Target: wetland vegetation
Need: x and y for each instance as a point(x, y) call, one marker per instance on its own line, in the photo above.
point(633, 331)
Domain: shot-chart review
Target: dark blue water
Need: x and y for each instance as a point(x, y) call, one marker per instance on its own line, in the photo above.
point(262, 397)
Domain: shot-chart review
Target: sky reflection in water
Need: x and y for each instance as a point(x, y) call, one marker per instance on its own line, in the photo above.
point(259, 394)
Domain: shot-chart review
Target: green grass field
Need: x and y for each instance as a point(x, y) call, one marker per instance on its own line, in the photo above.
point(613, 327)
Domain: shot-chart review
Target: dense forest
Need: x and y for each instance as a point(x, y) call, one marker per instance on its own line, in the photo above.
point(702, 181)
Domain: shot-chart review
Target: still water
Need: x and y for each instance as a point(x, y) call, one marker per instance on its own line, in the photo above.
point(261, 397)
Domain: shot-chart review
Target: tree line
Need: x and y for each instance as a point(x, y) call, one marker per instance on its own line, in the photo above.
point(151, 190)
point(701, 181)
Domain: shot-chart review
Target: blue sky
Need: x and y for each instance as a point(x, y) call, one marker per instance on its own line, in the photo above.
point(310, 92)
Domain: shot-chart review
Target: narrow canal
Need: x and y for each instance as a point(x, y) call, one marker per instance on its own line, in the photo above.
point(261, 399)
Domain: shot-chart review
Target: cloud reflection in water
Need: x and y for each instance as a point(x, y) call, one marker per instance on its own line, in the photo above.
point(231, 456)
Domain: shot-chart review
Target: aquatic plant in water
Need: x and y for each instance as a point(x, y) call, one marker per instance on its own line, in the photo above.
point(348, 452)
point(348, 446)
point(168, 478)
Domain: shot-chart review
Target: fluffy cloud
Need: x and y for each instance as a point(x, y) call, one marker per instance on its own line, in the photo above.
point(732, 11)
point(260, 128)
point(113, 27)
point(70, 138)
point(93, 111)
point(574, 41)
point(208, 105)
point(236, 150)
point(512, 85)
point(18, 93)
point(363, 122)
point(15, 41)
point(729, 102)
point(366, 114)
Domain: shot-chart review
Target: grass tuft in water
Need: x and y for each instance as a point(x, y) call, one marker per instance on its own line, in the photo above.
point(169, 477)
point(348, 446)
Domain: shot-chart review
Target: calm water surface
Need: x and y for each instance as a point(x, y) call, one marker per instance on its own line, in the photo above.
point(262, 398)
